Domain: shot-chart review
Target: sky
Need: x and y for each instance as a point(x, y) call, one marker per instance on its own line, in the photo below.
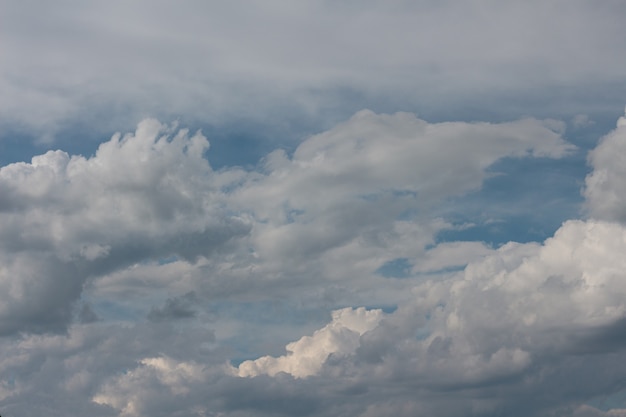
point(313, 208)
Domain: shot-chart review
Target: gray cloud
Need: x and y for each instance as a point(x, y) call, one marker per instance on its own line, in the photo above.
point(137, 280)
point(175, 308)
point(71, 219)
point(523, 329)
point(605, 187)
point(227, 62)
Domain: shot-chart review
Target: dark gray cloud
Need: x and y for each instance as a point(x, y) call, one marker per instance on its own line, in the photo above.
point(175, 308)
point(86, 314)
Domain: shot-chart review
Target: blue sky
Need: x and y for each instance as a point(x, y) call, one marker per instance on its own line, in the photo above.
point(312, 208)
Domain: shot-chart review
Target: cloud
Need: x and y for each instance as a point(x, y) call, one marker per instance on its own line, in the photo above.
point(306, 356)
point(62, 373)
point(346, 202)
point(375, 180)
point(138, 280)
point(287, 65)
point(514, 328)
point(587, 411)
point(175, 308)
point(581, 121)
point(510, 330)
point(67, 220)
point(509, 334)
point(604, 186)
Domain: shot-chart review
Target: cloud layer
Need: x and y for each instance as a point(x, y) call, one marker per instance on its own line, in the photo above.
point(307, 64)
point(67, 220)
point(126, 276)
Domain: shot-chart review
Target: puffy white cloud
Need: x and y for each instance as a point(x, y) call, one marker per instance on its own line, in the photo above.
point(345, 203)
point(306, 356)
point(65, 220)
point(518, 326)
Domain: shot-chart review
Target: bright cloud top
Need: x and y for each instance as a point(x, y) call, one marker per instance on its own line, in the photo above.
point(306, 356)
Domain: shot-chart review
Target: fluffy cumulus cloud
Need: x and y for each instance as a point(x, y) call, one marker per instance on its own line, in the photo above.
point(516, 326)
point(134, 281)
point(307, 355)
point(66, 220)
point(346, 202)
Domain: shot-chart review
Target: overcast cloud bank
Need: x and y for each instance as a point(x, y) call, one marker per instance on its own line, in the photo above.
point(307, 65)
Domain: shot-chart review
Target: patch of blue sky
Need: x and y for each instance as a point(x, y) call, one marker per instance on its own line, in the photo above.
point(244, 144)
point(396, 268)
point(17, 147)
point(524, 200)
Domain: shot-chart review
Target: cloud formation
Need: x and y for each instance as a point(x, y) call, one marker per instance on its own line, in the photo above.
point(521, 322)
point(223, 63)
point(605, 187)
point(67, 220)
point(306, 356)
point(521, 329)
point(446, 252)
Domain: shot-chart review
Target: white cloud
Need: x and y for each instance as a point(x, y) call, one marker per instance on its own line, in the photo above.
point(306, 356)
point(523, 321)
point(345, 203)
point(352, 184)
